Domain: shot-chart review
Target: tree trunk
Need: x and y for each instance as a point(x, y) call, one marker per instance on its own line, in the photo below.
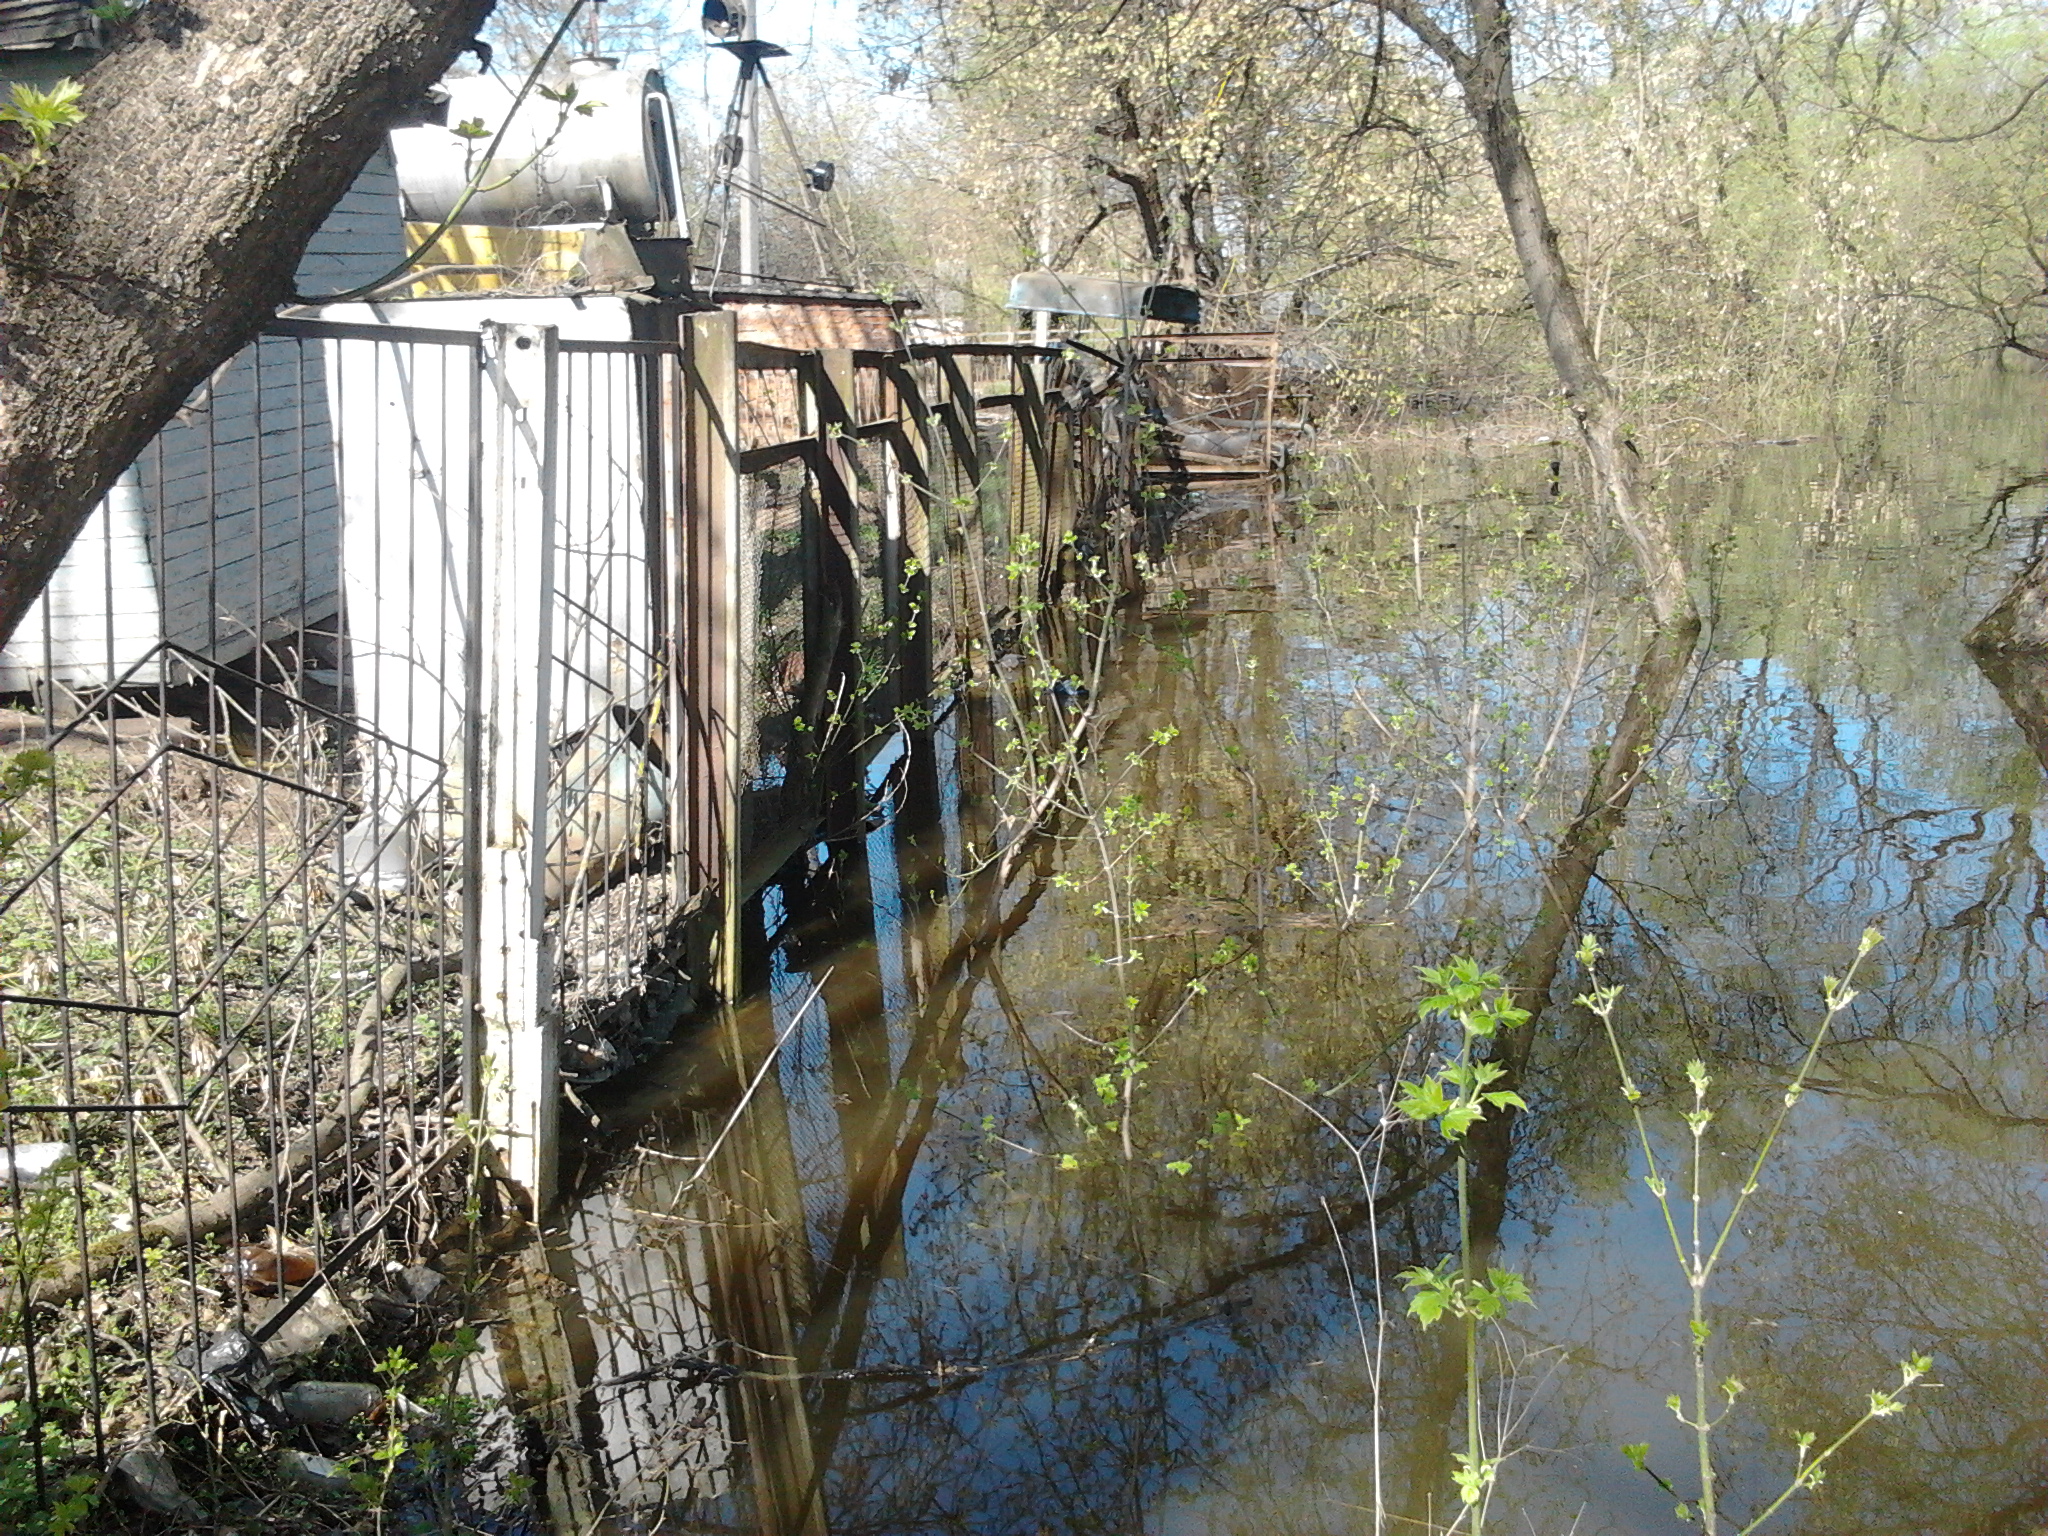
point(165, 230)
point(2019, 621)
point(1485, 76)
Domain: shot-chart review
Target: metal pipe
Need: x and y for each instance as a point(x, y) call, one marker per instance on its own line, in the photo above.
point(750, 159)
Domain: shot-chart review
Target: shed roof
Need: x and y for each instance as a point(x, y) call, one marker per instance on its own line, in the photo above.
point(48, 24)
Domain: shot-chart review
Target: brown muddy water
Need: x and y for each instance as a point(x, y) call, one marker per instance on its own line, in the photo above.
point(1041, 1217)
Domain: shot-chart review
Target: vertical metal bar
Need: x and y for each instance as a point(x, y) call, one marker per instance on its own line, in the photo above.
point(517, 601)
point(471, 427)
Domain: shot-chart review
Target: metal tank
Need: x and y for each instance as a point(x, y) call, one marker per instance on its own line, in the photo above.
point(558, 164)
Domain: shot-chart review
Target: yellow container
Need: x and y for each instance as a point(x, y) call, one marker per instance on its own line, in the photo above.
point(531, 258)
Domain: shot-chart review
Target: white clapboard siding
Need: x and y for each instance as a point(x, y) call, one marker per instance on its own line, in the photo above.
point(190, 564)
point(95, 620)
point(362, 240)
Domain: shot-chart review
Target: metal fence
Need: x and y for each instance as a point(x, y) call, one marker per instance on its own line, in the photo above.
point(399, 743)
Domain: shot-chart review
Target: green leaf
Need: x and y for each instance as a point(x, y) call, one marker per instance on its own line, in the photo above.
point(1510, 1287)
point(45, 110)
point(1459, 1119)
point(1421, 1101)
point(1427, 1274)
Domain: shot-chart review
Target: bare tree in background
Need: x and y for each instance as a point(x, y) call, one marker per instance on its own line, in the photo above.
point(1229, 133)
point(519, 30)
point(1482, 63)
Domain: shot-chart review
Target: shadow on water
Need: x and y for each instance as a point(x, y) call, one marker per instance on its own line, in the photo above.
point(1017, 1233)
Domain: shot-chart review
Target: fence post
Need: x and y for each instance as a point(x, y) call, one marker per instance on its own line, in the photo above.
point(718, 570)
point(519, 1023)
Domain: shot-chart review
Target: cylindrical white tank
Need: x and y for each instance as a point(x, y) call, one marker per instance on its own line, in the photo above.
point(559, 164)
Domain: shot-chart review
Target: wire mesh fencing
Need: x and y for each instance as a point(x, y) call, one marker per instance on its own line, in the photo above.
point(258, 780)
point(229, 1067)
point(363, 762)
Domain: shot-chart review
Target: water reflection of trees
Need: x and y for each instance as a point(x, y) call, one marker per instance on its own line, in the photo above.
point(1921, 1222)
point(1115, 1340)
point(980, 1339)
point(1075, 1342)
point(1928, 1231)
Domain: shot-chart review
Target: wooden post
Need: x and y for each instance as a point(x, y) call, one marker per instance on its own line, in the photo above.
point(718, 609)
point(519, 1024)
point(907, 529)
point(827, 416)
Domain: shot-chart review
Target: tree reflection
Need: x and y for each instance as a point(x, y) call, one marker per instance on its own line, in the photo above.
point(960, 1311)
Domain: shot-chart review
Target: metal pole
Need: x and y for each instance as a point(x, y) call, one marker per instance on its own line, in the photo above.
point(750, 161)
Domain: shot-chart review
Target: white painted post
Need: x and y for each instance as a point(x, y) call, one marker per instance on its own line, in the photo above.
point(515, 611)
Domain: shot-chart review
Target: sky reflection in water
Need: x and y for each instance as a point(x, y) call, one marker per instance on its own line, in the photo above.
point(1009, 1326)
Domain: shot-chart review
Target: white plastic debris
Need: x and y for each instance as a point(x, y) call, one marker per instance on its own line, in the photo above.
point(144, 1474)
point(29, 1163)
point(329, 1402)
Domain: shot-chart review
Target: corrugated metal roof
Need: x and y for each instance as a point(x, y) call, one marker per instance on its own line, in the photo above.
point(48, 24)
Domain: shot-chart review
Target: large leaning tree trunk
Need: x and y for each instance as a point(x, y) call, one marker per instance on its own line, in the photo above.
point(1485, 75)
point(165, 229)
point(2019, 620)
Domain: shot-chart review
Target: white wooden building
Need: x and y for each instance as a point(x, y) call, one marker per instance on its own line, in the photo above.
point(225, 532)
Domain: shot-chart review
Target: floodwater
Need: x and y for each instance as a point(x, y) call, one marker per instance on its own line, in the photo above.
point(1061, 1199)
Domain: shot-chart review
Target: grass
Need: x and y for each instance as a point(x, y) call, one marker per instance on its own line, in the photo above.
point(197, 988)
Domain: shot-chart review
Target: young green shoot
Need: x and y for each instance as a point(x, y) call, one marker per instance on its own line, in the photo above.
point(1456, 1097)
point(1698, 1243)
